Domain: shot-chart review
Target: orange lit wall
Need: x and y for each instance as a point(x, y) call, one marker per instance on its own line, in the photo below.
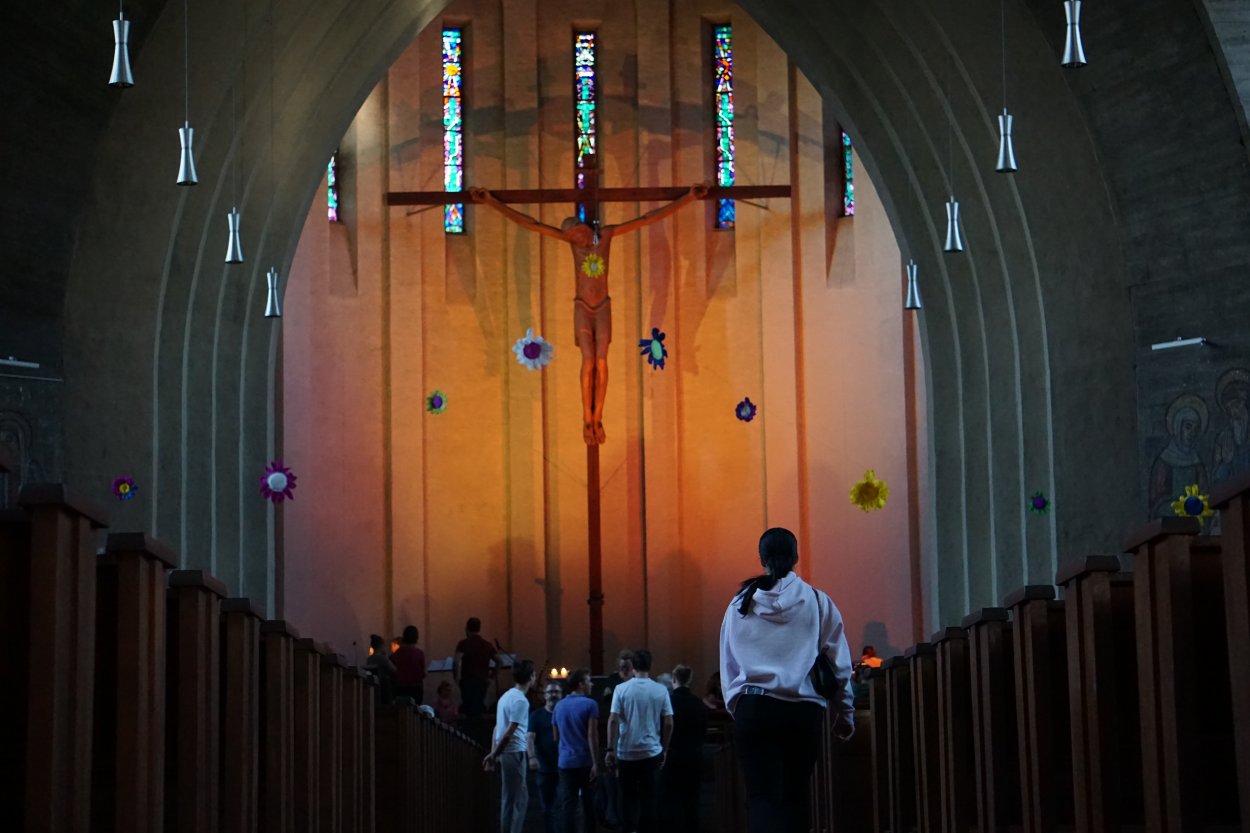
point(405, 517)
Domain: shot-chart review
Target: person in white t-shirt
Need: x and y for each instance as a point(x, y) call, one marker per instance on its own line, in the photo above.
point(509, 748)
point(639, 728)
point(772, 633)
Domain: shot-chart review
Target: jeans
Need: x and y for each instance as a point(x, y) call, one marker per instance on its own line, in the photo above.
point(548, 783)
point(640, 785)
point(778, 743)
point(514, 798)
point(572, 783)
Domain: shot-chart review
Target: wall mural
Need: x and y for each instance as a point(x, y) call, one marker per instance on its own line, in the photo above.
point(1207, 441)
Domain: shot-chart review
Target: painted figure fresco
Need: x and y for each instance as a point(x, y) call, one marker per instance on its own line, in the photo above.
point(1231, 456)
point(1179, 464)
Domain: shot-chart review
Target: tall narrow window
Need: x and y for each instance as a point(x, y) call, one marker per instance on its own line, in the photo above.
point(723, 80)
point(453, 130)
point(332, 188)
point(848, 176)
point(585, 96)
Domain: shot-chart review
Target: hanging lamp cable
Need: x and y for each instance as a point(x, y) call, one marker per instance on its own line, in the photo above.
point(186, 61)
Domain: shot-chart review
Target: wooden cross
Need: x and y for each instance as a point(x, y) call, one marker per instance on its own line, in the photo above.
point(589, 197)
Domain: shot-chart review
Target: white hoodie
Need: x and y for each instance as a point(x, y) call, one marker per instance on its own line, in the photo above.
point(774, 645)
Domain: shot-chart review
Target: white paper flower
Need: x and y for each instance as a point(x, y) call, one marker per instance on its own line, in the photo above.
point(532, 351)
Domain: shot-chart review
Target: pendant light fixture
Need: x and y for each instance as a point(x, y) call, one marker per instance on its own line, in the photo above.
point(234, 243)
point(913, 288)
point(1073, 49)
point(121, 77)
point(1006, 149)
point(186, 135)
point(272, 307)
point(954, 241)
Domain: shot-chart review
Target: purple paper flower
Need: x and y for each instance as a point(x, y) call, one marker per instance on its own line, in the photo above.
point(125, 488)
point(653, 348)
point(277, 483)
point(745, 410)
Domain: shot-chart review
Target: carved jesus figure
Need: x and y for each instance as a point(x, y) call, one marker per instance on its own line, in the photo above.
point(592, 308)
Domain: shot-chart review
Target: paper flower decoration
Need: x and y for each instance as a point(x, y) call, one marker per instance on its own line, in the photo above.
point(1038, 503)
point(593, 266)
point(1192, 505)
point(277, 483)
point(436, 402)
point(532, 351)
point(745, 409)
point(653, 348)
point(870, 494)
point(125, 488)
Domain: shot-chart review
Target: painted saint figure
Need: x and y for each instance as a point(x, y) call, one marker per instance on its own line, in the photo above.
point(592, 308)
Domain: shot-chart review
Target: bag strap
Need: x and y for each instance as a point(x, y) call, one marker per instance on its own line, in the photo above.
point(820, 623)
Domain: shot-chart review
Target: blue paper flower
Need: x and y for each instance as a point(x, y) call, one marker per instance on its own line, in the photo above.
point(1038, 503)
point(653, 348)
point(745, 410)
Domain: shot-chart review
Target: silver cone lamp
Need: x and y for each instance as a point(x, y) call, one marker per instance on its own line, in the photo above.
point(1073, 49)
point(122, 76)
point(913, 289)
point(186, 167)
point(954, 240)
point(272, 308)
point(234, 247)
point(1006, 150)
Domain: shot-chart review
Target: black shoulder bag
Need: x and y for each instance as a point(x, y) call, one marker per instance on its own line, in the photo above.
point(824, 678)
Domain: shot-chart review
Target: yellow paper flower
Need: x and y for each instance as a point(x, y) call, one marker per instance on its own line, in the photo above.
point(593, 266)
point(1192, 505)
point(870, 493)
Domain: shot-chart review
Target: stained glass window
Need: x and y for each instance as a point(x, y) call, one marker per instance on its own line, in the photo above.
point(723, 80)
point(585, 84)
point(332, 188)
point(848, 161)
point(453, 130)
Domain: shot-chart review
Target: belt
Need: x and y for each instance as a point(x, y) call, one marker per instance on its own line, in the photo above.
point(753, 689)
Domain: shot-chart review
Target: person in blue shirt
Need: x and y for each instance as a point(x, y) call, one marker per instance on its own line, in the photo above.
point(544, 753)
point(576, 721)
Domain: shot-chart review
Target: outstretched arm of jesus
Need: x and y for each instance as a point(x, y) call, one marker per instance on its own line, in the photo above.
point(524, 220)
point(696, 192)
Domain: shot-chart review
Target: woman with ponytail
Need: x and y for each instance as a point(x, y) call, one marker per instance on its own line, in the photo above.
point(773, 631)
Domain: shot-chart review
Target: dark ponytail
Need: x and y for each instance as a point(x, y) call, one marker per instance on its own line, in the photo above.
point(779, 552)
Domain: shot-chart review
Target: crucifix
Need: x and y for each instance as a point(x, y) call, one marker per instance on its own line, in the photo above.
point(590, 242)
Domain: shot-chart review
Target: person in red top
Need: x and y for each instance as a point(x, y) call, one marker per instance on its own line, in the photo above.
point(473, 669)
point(409, 663)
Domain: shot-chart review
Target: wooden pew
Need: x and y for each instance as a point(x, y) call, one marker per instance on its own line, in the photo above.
point(995, 747)
point(240, 715)
point(396, 772)
point(1188, 755)
point(1102, 694)
point(58, 578)
point(15, 624)
point(354, 698)
point(1232, 499)
point(277, 727)
point(899, 746)
point(193, 737)
point(129, 745)
point(954, 706)
point(307, 725)
point(922, 661)
point(331, 738)
point(879, 708)
point(1039, 648)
